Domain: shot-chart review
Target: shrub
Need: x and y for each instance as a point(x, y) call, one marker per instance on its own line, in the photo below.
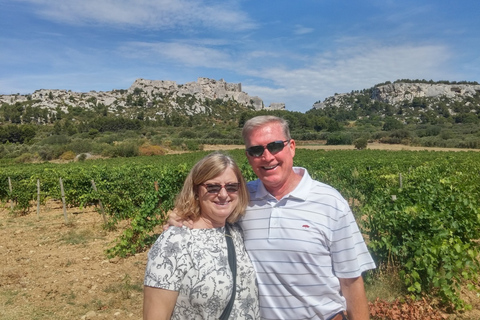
point(430, 229)
point(80, 145)
point(25, 158)
point(82, 157)
point(67, 155)
point(215, 135)
point(150, 150)
point(56, 139)
point(193, 145)
point(187, 134)
point(125, 149)
point(360, 143)
point(339, 139)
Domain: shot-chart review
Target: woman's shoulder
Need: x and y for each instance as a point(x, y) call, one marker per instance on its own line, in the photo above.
point(174, 234)
point(171, 242)
point(236, 231)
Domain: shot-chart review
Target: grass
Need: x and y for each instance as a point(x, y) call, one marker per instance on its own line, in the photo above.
point(77, 237)
point(125, 287)
point(385, 283)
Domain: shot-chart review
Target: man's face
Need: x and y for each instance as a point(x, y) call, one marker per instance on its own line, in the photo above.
point(274, 170)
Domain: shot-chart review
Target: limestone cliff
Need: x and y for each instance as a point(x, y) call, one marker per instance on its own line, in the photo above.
point(399, 92)
point(189, 97)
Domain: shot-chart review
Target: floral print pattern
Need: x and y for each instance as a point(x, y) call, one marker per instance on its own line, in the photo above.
point(194, 262)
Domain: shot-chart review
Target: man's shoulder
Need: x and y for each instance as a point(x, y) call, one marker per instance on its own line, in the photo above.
point(318, 188)
point(253, 185)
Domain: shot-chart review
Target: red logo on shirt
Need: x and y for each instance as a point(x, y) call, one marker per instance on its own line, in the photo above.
point(305, 226)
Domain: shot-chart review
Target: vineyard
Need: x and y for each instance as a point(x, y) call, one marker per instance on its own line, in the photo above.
point(419, 211)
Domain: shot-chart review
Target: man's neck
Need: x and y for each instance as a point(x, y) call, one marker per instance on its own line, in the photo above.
point(284, 189)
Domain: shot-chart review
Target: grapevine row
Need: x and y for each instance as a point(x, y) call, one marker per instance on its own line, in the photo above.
point(420, 211)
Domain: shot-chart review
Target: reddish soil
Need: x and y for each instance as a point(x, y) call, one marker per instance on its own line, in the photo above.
point(56, 270)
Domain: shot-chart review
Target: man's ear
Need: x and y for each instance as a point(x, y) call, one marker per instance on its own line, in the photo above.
point(292, 147)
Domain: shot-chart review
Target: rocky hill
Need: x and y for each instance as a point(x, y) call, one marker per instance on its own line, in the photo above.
point(399, 93)
point(162, 95)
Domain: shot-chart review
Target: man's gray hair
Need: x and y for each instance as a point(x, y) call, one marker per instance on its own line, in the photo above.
point(260, 121)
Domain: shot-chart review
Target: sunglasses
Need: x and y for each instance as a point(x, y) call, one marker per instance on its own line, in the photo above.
point(215, 188)
point(272, 147)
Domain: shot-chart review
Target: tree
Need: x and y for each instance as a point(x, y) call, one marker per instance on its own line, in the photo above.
point(360, 143)
point(392, 124)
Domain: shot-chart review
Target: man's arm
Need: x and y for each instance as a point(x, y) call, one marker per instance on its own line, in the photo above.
point(158, 304)
point(176, 221)
point(354, 292)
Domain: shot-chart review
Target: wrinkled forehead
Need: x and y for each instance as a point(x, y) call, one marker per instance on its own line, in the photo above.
point(264, 134)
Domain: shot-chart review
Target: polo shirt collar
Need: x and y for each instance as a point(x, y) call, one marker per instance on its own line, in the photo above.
point(300, 192)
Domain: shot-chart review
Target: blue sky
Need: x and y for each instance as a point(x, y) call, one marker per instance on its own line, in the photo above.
point(296, 52)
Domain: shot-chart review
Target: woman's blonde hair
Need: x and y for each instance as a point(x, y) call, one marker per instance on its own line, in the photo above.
point(211, 166)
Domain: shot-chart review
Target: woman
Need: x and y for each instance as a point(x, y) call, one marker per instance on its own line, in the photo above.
point(188, 275)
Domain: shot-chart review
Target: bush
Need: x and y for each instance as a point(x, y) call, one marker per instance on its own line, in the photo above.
point(80, 145)
point(339, 139)
point(150, 150)
point(48, 153)
point(430, 229)
point(125, 149)
point(25, 158)
point(82, 157)
point(214, 135)
point(56, 139)
point(360, 143)
point(193, 145)
point(187, 134)
point(67, 155)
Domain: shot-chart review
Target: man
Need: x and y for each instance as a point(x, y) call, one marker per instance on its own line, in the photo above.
point(300, 234)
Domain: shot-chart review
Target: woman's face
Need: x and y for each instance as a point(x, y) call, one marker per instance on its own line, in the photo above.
point(218, 198)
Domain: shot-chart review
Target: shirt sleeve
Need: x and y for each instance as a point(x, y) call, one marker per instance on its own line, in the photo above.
point(167, 263)
point(349, 252)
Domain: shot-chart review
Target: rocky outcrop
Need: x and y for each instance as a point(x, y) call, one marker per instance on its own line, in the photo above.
point(276, 106)
point(149, 90)
point(203, 89)
point(397, 93)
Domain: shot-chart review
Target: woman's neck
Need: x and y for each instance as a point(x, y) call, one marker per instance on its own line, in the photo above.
point(205, 223)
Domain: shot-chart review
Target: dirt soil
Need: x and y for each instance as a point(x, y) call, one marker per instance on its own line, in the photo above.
point(53, 269)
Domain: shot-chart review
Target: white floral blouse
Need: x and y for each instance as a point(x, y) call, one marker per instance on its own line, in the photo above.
point(194, 262)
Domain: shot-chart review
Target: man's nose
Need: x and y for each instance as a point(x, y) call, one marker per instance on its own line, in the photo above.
point(267, 155)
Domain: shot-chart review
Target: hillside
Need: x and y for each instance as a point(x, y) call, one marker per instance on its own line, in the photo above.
point(158, 116)
point(411, 102)
point(152, 99)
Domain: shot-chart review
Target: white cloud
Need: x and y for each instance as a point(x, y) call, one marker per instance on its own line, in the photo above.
point(187, 54)
point(151, 14)
point(350, 69)
point(300, 30)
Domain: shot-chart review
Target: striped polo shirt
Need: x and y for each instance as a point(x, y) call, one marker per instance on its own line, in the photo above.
point(300, 245)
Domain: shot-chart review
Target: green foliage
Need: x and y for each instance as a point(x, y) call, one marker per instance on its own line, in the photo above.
point(392, 124)
point(360, 143)
point(339, 138)
point(429, 230)
point(430, 227)
point(16, 133)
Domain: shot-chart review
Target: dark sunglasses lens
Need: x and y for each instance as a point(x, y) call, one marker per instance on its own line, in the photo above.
point(232, 187)
point(275, 147)
point(255, 151)
point(213, 188)
point(216, 188)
